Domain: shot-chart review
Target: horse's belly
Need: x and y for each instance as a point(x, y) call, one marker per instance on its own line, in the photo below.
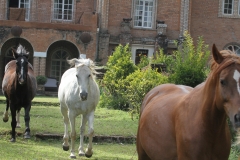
point(157, 134)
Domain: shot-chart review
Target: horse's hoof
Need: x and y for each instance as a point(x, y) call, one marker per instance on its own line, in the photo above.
point(88, 153)
point(27, 135)
point(18, 126)
point(73, 156)
point(13, 140)
point(65, 148)
point(81, 154)
point(88, 156)
point(5, 120)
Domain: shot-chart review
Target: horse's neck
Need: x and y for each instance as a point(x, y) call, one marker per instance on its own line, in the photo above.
point(212, 114)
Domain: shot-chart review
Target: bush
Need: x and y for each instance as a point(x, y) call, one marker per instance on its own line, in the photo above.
point(190, 63)
point(119, 66)
point(41, 80)
point(167, 60)
point(137, 84)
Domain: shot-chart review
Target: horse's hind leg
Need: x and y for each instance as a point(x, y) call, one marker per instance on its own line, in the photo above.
point(89, 151)
point(65, 144)
point(5, 114)
point(18, 120)
point(141, 153)
point(27, 121)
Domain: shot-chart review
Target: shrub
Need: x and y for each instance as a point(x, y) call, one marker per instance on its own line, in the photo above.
point(41, 80)
point(167, 60)
point(119, 66)
point(144, 61)
point(137, 84)
point(190, 64)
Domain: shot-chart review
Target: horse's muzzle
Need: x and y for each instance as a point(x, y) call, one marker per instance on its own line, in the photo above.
point(84, 95)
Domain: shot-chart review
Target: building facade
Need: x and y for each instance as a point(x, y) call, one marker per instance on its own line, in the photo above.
point(52, 30)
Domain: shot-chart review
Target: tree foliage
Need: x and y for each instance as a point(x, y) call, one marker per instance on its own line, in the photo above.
point(190, 64)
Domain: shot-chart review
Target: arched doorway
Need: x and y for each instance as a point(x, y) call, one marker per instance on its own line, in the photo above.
point(57, 54)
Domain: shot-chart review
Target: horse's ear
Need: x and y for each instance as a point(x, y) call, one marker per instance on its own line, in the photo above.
point(72, 62)
point(216, 54)
point(27, 55)
point(15, 55)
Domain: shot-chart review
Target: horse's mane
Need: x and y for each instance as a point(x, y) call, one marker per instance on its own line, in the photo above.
point(229, 58)
point(21, 50)
point(86, 62)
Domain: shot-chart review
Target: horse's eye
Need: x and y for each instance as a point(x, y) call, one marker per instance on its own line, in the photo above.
point(77, 76)
point(223, 82)
point(89, 75)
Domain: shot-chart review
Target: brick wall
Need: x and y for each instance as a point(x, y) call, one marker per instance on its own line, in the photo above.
point(205, 22)
point(167, 10)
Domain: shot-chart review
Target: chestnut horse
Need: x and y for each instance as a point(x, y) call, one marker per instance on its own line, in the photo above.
point(19, 87)
point(183, 123)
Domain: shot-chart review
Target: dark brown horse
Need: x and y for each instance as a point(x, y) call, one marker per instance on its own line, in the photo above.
point(19, 87)
point(183, 123)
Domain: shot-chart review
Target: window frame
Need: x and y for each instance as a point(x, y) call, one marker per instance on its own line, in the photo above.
point(25, 3)
point(152, 12)
point(233, 45)
point(62, 9)
point(235, 9)
point(223, 8)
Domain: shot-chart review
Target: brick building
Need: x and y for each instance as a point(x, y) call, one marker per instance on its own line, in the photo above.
point(52, 30)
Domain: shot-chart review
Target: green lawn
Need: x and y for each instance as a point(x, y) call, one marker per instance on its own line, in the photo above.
point(34, 149)
point(46, 118)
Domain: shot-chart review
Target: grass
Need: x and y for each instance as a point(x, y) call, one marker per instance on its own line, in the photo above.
point(52, 150)
point(46, 118)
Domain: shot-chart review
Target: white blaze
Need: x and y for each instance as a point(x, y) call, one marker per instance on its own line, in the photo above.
point(236, 76)
point(22, 60)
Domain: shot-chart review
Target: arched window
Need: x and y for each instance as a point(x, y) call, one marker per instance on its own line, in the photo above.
point(235, 48)
point(59, 64)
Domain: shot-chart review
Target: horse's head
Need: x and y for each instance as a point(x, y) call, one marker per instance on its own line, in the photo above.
point(84, 69)
point(21, 56)
point(227, 69)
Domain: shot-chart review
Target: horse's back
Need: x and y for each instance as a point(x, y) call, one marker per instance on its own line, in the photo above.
point(157, 120)
point(162, 91)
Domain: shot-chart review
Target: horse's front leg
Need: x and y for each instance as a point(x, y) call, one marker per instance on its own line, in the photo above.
point(82, 131)
point(5, 114)
point(64, 112)
point(27, 121)
point(73, 133)
point(89, 151)
point(13, 123)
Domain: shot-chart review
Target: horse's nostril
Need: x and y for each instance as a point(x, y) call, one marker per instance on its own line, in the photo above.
point(237, 118)
point(83, 95)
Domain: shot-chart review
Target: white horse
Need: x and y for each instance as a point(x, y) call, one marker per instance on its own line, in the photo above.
point(78, 93)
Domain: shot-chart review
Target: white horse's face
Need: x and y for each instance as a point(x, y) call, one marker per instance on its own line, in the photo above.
point(83, 75)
